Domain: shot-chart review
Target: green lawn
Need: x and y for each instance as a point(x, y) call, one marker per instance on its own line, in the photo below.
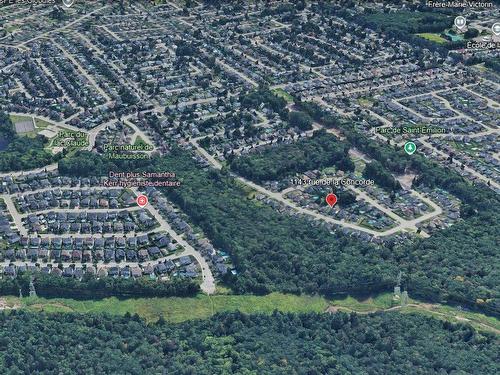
point(433, 37)
point(16, 118)
point(481, 67)
point(369, 304)
point(140, 142)
point(59, 140)
point(177, 309)
point(366, 102)
point(11, 28)
point(40, 125)
point(359, 166)
point(283, 94)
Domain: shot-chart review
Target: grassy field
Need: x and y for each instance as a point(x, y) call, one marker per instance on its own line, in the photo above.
point(449, 313)
point(433, 37)
point(480, 67)
point(378, 302)
point(140, 142)
point(283, 94)
point(359, 166)
point(11, 28)
point(16, 118)
point(40, 125)
point(366, 102)
point(59, 141)
point(177, 309)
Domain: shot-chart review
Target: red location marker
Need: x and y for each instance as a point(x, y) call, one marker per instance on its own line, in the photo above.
point(331, 199)
point(142, 200)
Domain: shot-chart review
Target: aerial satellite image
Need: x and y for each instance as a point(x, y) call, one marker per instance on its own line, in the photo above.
point(205, 187)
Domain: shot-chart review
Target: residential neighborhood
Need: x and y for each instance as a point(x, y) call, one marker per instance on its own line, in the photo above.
point(249, 187)
point(157, 78)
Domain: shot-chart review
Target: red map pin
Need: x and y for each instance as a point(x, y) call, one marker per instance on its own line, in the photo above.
point(331, 199)
point(142, 200)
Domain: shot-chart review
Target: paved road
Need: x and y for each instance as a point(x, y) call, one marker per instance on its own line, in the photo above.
point(139, 133)
point(278, 196)
point(420, 115)
point(492, 103)
point(48, 168)
point(15, 215)
point(229, 68)
point(82, 71)
point(459, 164)
point(63, 27)
point(208, 282)
point(425, 143)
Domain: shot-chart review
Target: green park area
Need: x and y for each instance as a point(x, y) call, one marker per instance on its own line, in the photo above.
point(140, 142)
point(433, 37)
point(57, 136)
point(283, 94)
point(10, 28)
point(29, 143)
point(178, 309)
point(21, 152)
point(39, 124)
point(72, 141)
point(366, 102)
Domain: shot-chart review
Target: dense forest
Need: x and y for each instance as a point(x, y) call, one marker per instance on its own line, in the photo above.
point(87, 163)
point(432, 264)
point(494, 64)
point(6, 127)
point(92, 288)
point(381, 176)
point(234, 343)
point(272, 251)
point(410, 22)
point(300, 120)
point(22, 153)
point(276, 162)
point(276, 252)
point(404, 25)
point(255, 98)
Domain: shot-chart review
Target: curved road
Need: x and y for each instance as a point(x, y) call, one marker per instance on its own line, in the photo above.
point(278, 196)
point(208, 280)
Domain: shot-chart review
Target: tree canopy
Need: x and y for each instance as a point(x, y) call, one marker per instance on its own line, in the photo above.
point(278, 252)
point(278, 161)
point(235, 343)
point(22, 153)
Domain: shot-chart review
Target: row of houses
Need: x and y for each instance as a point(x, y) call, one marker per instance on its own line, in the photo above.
point(84, 222)
point(180, 267)
point(46, 180)
point(70, 198)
